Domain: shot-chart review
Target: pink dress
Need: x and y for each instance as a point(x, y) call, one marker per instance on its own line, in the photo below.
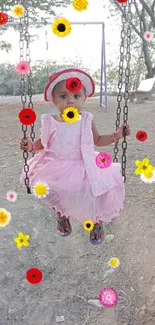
point(78, 187)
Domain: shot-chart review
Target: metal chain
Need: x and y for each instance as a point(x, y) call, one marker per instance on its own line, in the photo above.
point(126, 18)
point(29, 76)
point(24, 38)
point(120, 82)
point(127, 79)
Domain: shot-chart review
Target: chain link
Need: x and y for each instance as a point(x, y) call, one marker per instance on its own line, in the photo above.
point(125, 33)
point(29, 76)
point(120, 82)
point(127, 79)
point(25, 83)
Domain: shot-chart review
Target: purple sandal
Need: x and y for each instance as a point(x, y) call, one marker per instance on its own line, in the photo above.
point(61, 222)
point(95, 231)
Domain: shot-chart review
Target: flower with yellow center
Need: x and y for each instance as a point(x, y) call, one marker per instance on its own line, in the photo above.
point(21, 240)
point(5, 217)
point(41, 190)
point(148, 180)
point(80, 5)
point(114, 262)
point(144, 168)
point(88, 225)
point(70, 115)
point(61, 27)
point(18, 11)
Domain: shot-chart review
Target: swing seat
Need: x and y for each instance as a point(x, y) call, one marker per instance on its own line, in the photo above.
point(144, 92)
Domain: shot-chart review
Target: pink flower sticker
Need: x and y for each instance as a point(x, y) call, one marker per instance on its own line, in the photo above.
point(103, 160)
point(11, 196)
point(23, 67)
point(148, 36)
point(108, 297)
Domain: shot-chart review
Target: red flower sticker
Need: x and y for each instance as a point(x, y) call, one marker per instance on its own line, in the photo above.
point(27, 116)
point(3, 18)
point(122, 1)
point(74, 85)
point(141, 136)
point(34, 276)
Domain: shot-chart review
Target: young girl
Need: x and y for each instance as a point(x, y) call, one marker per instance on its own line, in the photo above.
point(79, 189)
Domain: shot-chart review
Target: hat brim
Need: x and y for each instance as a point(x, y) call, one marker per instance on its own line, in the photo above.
point(85, 78)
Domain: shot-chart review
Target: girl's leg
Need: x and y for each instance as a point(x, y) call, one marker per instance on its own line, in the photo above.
point(96, 235)
point(63, 225)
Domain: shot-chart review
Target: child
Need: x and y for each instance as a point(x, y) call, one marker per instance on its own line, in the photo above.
point(79, 189)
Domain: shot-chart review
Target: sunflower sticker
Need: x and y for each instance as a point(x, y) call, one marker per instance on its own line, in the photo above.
point(88, 225)
point(70, 115)
point(61, 27)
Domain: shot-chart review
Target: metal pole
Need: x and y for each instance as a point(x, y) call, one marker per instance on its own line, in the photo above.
point(105, 72)
point(51, 22)
point(101, 79)
point(103, 58)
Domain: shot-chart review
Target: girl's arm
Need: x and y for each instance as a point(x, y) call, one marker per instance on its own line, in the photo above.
point(37, 145)
point(103, 140)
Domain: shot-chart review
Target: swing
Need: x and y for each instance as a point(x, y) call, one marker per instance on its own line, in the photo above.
point(126, 30)
point(26, 81)
point(125, 37)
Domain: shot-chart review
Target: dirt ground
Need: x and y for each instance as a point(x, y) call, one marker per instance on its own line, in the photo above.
point(74, 271)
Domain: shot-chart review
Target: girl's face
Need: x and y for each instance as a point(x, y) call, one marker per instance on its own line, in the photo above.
point(63, 98)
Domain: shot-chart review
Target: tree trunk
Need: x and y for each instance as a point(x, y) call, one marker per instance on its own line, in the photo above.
point(148, 62)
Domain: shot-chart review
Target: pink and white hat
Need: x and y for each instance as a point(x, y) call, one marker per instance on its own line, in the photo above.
point(65, 74)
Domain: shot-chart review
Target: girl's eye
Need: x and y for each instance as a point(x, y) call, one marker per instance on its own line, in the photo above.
point(77, 96)
point(63, 96)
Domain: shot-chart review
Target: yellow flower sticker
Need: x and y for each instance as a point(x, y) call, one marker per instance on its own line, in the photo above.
point(41, 190)
point(114, 262)
point(88, 225)
point(144, 168)
point(80, 5)
point(61, 27)
point(18, 11)
point(21, 240)
point(70, 115)
point(5, 217)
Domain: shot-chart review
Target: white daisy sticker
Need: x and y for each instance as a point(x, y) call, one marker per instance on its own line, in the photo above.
point(148, 180)
point(40, 190)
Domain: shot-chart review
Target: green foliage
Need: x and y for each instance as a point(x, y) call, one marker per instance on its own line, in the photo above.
point(36, 8)
point(143, 20)
point(5, 46)
point(10, 80)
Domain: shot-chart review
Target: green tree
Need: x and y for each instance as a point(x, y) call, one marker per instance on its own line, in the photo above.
point(10, 80)
point(38, 11)
point(36, 8)
point(143, 19)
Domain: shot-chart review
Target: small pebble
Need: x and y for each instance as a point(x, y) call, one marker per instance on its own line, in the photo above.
point(95, 303)
point(60, 319)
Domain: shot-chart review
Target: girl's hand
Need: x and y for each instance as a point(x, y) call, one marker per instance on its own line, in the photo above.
point(26, 144)
point(126, 128)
